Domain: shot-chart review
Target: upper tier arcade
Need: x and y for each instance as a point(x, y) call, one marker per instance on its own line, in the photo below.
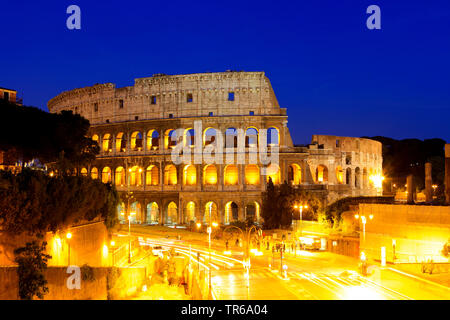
point(173, 96)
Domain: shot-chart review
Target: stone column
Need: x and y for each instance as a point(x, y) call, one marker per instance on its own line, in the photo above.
point(428, 182)
point(410, 189)
point(447, 173)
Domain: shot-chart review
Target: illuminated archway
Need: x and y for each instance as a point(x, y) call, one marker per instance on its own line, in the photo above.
point(172, 213)
point(251, 137)
point(210, 175)
point(209, 136)
point(170, 175)
point(152, 176)
point(189, 213)
point(107, 143)
point(295, 174)
point(84, 172)
point(189, 175)
point(94, 173)
point(210, 206)
point(121, 142)
point(189, 137)
point(152, 140)
point(95, 138)
point(273, 136)
point(273, 172)
point(252, 211)
point(152, 213)
point(121, 212)
point(231, 212)
point(135, 212)
point(106, 175)
point(339, 175)
point(231, 175)
point(231, 138)
point(120, 176)
point(321, 174)
point(170, 139)
point(136, 141)
point(252, 174)
point(357, 177)
point(135, 176)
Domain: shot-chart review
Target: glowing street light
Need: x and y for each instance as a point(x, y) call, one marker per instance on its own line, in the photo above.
point(300, 207)
point(68, 236)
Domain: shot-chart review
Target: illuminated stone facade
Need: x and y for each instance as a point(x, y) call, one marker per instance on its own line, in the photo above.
point(133, 126)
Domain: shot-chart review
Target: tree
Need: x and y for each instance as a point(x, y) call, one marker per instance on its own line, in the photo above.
point(35, 134)
point(32, 262)
point(35, 203)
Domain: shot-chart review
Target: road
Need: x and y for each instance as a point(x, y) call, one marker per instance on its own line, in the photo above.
point(309, 276)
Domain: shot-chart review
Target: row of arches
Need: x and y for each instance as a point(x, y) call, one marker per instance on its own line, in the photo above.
point(169, 215)
point(136, 174)
point(152, 140)
point(357, 178)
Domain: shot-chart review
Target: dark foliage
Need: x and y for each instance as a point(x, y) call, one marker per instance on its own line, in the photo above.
point(35, 203)
point(278, 205)
point(35, 134)
point(32, 262)
point(408, 156)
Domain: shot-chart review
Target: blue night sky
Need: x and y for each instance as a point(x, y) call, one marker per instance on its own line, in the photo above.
point(332, 74)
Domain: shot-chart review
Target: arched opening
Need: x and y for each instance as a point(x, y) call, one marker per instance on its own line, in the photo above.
point(170, 139)
point(95, 138)
point(321, 174)
point(189, 136)
point(231, 212)
point(251, 174)
point(348, 176)
point(120, 176)
point(251, 137)
point(135, 176)
point(136, 141)
point(357, 178)
point(152, 140)
point(106, 175)
point(94, 173)
point(231, 138)
point(273, 137)
point(209, 136)
point(189, 175)
point(152, 176)
point(106, 143)
point(210, 175)
point(252, 211)
point(135, 213)
point(339, 175)
point(84, 172)
point(172, 213)
point(170, 175)
point(295, 174)
point(231, 175)
point(121, 212)
point(210, 208)
point(121, 142)
point(189, 214)
point(273, 172)
point(152, 213)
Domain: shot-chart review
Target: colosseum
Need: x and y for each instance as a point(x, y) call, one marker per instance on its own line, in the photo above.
point(139, 127)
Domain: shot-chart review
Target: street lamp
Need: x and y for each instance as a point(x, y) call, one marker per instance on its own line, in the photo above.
point(68, 236)
point(434, 186)
point(209, 230)
point(300, 208)
point(363, 255)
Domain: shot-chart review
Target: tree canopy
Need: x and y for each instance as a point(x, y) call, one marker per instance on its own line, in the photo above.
point(33, 133)
point(35, 203)
point(278, 205)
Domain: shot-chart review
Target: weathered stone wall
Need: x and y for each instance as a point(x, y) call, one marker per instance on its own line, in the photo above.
point(86, 246)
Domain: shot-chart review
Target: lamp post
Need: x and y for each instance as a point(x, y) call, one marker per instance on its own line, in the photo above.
point(300, 208)
point(362, 254)
point(68, 236)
